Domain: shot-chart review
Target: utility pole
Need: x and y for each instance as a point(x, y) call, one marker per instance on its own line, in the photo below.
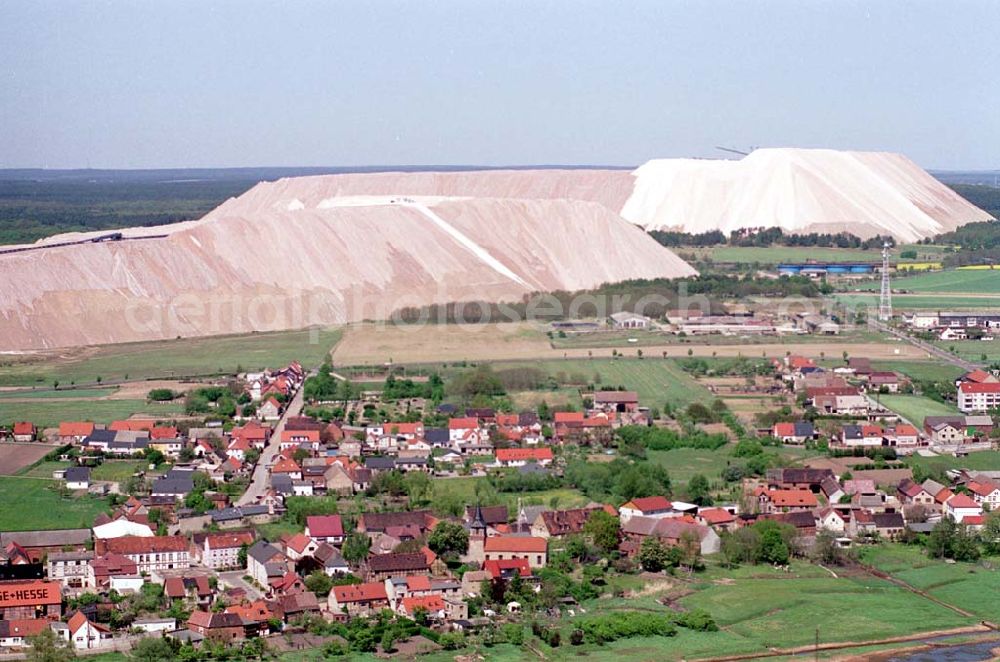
point(885, 300)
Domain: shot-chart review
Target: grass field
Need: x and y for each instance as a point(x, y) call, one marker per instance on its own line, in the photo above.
point(169, 358)
point(655, 380)
point(978, 281)
point(922, 370)
point(683, 463)
point(49, 394)
point(915, 407)
point(979, 461)
point(920, 301)
point(116, 471)
point(43, 469)
point(775, 254)
point(972, 350)
point(30, 504)
point(49, 413)
point(971, 586)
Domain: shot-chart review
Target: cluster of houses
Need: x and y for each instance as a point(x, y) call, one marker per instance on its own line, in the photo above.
point(955, 325)
point(831, 393)
point(269, 389)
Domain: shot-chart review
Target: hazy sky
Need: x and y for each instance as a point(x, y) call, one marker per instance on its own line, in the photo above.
point(141, 84)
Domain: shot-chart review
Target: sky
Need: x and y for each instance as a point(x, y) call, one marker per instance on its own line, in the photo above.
point(125, 84)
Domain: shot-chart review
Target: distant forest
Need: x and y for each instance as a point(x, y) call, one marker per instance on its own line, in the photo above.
point(40, 203)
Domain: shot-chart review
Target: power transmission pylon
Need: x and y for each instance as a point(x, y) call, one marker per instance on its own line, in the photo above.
point(885, 300)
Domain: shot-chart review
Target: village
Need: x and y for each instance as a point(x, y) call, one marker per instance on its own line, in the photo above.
point(267, 524)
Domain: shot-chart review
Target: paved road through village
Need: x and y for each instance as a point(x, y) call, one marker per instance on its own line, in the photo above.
point(258, 486)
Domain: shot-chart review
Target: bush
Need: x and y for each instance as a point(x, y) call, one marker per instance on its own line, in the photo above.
point(161, 395)
point(611, 627)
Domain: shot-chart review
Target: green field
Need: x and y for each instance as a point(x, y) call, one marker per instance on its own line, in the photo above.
point(775, 254)
point(656, 380)
point(979, 461)
point(30, 504)
point(63, 394)
point(974, 587)
point(915, 407)
point(49, 413)
point(683, 463)
point(978, 281)
point(972, 350)
point(116, 471)
point(920, 301)
point(170, 358)
point(43, 469)
point(922, 370)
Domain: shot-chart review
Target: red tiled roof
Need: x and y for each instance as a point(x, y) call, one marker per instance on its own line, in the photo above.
point(496, 567)
point(716, 516)
point(23, 427)
point(418, 583)
point(516, 544)
point(360, 592)
point(134, 425)
point(962, 501)
point(463, 423)
point(647, 504)
point(784, 429)
point(286, 466)
point(785, 498)
point(325, 526)
point(568, 417)
point(301, 435)
point(517, 454)
point(163, 432)
point(428, 602)
point(977, 376)
point(229, 540)
point(972, 387)
point(139, 545)
point(75, 428)
point(26, 627)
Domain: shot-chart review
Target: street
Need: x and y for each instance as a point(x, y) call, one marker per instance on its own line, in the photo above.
point(258, 485)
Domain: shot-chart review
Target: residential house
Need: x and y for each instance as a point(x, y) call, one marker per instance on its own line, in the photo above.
point(74, 432)
point(358, 599)
point(670, 531)
point(654, 506)
point(420, 520)
point(961, 506)
point(150, 554)
point(18, 633)
point(221, 551)
point(911, 493)
point(104, 570)
point(85, 634)
point(77, 478)
point(978, 397)
point(24, 431)
point(984, 491)
point(798, 479)
point(325, 528)
point(616, 401)
point(68, 568)
point(558, 523)
point(534, 549)
point(783, 501)
point(269, 410)
point(217, 626)
point(793, 433)
point(883, 381)
point(265, 562)
point(383, 566)
point(518, 457)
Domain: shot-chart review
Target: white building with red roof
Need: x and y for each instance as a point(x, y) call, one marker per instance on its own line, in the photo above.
point(653, 506)
point(974, 396)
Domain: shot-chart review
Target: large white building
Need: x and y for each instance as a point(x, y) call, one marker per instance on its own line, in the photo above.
point(978, 397)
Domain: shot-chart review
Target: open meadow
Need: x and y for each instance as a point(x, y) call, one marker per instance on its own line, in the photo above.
point(49, 413)
point(915, 407)
point(935, 371)
point(776, 254)
point(186, 357)
point(921, 301)
point(971, 281)
point(33, 503)
point(973, 350)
